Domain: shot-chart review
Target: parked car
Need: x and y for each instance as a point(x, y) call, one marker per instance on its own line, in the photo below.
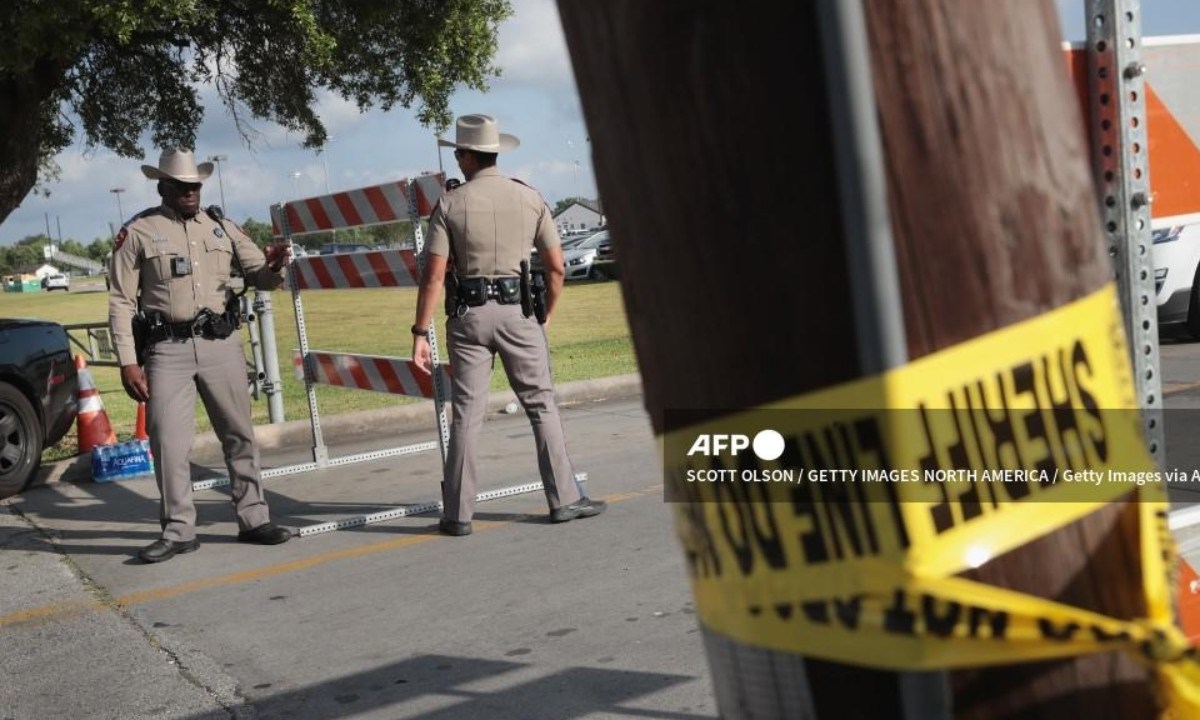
point(332, 248)
point(605, 263)
point(579, 255)
point(57, 281)
point(38, 397)
point(1176, 276)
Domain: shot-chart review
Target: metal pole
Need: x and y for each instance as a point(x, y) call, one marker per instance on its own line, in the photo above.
point(120, 213)
point(325, 165)
point(1117, 98)
point(273, 386)
point(249, 312)
point(216, 160)
point(441, 395)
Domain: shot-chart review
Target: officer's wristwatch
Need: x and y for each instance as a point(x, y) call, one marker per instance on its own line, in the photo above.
point(420, 331)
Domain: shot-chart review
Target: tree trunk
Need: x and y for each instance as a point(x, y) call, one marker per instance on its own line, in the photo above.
point(21, 128)
point(724, 208)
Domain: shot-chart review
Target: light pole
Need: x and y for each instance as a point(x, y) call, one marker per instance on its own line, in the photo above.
point(216, 159)
point(120, 213)
point(325, 163)
point(295, 186)
point(575, 163)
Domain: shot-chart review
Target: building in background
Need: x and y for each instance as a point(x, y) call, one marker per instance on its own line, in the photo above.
point(580, 215)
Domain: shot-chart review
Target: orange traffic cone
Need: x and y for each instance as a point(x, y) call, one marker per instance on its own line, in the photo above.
point(140, 431)
point(92, 423)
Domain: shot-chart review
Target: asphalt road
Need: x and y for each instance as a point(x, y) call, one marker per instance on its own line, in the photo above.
point(522, 619)
point(592, 619)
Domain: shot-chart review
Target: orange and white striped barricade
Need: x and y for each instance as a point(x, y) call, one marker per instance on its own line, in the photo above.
point(403, 200)
point(1172, 123)
point(395, 376)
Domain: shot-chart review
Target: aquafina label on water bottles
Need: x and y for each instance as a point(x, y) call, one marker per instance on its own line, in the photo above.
point(120, 461)
point(136, 460)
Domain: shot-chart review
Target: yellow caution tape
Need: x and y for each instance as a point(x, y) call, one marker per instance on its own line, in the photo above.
point(832, 524)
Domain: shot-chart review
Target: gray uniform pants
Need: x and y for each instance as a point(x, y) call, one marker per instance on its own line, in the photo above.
point(175, 370)
point(474, 340)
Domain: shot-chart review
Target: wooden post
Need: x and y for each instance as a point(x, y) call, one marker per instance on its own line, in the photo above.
point(714, 155)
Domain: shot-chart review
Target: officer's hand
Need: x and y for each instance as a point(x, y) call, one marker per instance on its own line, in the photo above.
point(422, 355)
point(278, 256)
point(134, 380)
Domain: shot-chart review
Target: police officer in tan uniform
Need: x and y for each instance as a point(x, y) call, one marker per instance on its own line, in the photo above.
point(173, 263)
point(481, 231)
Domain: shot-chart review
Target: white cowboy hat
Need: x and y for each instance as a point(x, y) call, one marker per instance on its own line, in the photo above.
point(179, 165)
point(480, 133)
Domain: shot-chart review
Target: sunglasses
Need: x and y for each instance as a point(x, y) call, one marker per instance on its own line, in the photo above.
point(182, 188)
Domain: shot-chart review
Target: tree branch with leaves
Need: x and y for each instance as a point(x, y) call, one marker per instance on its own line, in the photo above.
point(111, 71)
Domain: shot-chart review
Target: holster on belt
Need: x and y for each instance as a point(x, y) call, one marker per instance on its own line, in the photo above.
point(144, 327)
point(476, 291)
point(537, 291)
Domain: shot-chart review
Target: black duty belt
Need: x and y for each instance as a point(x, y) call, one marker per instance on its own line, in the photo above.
point(207, 325)
point(476, 291)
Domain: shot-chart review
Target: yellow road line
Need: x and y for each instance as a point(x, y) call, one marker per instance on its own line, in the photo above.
point(48, 612)
point(71, 608)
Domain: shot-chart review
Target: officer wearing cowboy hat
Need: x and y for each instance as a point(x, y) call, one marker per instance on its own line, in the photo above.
point(482, 230)
point(173, 263)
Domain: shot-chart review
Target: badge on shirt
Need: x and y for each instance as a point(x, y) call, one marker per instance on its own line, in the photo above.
point(218, 232)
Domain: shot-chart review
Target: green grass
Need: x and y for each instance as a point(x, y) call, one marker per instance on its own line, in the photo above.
point(589, 338)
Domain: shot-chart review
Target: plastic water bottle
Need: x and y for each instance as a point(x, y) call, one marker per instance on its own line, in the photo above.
point(102, 469)
point(122, 460)
point(143, 464)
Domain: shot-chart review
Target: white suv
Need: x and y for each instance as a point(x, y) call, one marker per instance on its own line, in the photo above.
point(58, 281)
point(1176, 260)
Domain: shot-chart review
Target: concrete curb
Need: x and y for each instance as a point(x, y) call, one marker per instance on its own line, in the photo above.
point(364, 425)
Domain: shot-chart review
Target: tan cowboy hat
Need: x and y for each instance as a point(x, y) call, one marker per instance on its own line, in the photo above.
point(480, 133)
point(175, 164)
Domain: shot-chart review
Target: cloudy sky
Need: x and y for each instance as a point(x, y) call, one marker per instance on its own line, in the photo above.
point(536, 100)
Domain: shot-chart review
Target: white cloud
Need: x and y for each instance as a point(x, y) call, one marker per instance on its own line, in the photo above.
point(338, 114)
point(532, 47)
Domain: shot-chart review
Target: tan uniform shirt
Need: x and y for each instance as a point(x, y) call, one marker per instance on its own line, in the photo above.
point(490, 224)
point(142, 261)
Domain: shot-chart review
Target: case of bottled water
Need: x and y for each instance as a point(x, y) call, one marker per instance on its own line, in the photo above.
point(121, 461)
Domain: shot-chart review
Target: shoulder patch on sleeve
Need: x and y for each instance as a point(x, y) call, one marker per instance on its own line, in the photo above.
point(121, 236)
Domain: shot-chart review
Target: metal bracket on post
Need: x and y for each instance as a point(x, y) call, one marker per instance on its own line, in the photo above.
point(320, 452)
point(1120, 152)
